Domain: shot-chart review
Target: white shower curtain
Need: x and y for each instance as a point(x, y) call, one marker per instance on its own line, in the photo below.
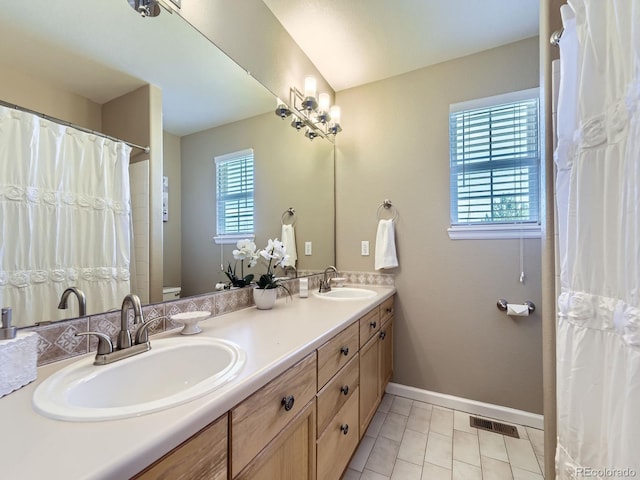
point(64, 218)
point(598, 200)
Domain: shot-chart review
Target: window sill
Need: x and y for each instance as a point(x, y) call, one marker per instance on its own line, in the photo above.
point(232, 239)
point(494, 232)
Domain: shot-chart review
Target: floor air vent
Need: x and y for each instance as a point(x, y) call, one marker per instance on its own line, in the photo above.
point(497, 427)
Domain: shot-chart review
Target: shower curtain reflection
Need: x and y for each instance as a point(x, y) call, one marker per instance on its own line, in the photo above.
point(66, 194)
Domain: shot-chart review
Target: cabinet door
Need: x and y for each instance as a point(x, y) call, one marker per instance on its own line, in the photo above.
point(369, 382)
point(386, 354)
point(259, 418)
point(202, 456)
point(291, 455)
point(339, 441)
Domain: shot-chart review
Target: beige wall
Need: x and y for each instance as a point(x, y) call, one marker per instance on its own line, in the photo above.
point(290, 171)
point(26, 91)
point(172, 246)
point(450, 337)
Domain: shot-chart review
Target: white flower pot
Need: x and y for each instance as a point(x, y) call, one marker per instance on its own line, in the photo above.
point(265, 298)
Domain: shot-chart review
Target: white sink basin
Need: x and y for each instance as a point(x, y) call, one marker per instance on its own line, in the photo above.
point(346, 293)
point(174, 371)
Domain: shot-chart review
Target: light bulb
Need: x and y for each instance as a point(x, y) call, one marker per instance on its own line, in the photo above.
point(323, 102)
point(335, 114)
point(310, 87)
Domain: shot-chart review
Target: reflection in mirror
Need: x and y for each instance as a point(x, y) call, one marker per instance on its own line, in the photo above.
point(157, 81)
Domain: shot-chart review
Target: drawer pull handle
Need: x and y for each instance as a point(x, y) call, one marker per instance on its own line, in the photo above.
point(344, 351)
point(383, 334)
point(373, 324)
point(345, 389)
point(344, 429)
point(288, 402)
point(389, 309)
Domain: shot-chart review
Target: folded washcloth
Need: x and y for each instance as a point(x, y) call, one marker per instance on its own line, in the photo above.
point(288, 239)
point(386, 246)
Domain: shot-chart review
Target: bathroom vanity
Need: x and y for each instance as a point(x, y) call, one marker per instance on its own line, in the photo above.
point(315, 373)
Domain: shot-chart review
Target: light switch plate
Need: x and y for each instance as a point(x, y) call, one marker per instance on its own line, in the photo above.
point(307, 248)
point(364, 248)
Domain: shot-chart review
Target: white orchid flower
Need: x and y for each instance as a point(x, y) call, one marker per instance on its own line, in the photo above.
point(246, 250)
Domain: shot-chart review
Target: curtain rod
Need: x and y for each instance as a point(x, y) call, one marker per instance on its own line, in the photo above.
point(69, 124)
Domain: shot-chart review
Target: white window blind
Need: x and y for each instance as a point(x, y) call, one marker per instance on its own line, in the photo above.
point(234, 196)
point(494, 161)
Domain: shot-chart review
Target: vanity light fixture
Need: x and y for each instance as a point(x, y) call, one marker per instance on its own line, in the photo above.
point(151, 8)
point(320, 118)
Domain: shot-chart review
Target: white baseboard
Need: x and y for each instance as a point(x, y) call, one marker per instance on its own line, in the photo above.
point(505, 414)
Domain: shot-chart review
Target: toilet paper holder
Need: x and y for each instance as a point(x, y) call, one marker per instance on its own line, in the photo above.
point(502, 305)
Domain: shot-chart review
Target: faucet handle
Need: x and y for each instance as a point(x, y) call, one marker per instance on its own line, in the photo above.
point(104, 342)
point(142, 334)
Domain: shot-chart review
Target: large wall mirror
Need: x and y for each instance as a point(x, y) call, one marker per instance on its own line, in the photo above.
point(74, 60)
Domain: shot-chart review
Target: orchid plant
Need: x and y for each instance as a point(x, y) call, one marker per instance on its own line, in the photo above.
point(274, 255)
point(246, 250)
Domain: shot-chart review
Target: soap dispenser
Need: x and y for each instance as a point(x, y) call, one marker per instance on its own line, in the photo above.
point(7, 331)
point(18, 356)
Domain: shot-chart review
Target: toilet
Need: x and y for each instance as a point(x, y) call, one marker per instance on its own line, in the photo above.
point(170, 293)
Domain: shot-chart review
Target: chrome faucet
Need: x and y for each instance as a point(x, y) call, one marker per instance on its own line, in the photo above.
point(125, 346)
point(124, 337)
point(325, 285)
point(288, 269)
point(82, 300)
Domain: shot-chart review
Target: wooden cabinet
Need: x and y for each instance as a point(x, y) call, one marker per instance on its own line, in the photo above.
point(202, 456)
point(339, 441)
point(336, 353)
point(260, 418)
point(291, 455)
point(336, 393)
point(386, 354)
point(376, 360)
point(369, 388)
point(304, 424)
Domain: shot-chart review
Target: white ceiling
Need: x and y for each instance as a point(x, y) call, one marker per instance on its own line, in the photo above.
point(103, 49)
point(353, 42)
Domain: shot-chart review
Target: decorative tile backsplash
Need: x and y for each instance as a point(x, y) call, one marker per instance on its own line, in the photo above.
point(57, 341)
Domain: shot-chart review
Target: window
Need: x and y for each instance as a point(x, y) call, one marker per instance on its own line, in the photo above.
point(495, 167)
point(234, 196)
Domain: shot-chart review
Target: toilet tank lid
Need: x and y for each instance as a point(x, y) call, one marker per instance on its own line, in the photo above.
point(171, 289)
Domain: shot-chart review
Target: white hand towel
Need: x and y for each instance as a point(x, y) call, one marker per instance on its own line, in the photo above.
point(386, 246)
point(288, 238)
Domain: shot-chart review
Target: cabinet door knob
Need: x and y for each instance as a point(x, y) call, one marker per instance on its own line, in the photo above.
point(383, 334)
point(344, 428)
point(288, 402)
point(345, 389)
point(373, 324)
point(344, 351)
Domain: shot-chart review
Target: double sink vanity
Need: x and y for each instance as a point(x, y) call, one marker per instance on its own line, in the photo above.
point(281, 393)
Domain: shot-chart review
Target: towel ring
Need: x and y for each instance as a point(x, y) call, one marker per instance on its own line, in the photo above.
point(289, 213)
point(387, 205)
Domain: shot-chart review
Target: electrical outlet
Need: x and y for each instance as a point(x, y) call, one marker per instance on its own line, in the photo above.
point(364, 248)
point(307, 248)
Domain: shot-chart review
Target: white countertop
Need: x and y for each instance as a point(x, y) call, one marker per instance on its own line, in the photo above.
point(34, 447)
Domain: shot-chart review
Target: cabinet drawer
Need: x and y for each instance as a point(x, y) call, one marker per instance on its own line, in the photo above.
point(387, 309)
point(259, 418)
point(369, 326)
point(337, 392)
point(202, 456)
point(334, 354)
point(339, 441)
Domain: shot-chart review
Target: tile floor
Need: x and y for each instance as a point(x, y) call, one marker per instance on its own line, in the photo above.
point(411, 440)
